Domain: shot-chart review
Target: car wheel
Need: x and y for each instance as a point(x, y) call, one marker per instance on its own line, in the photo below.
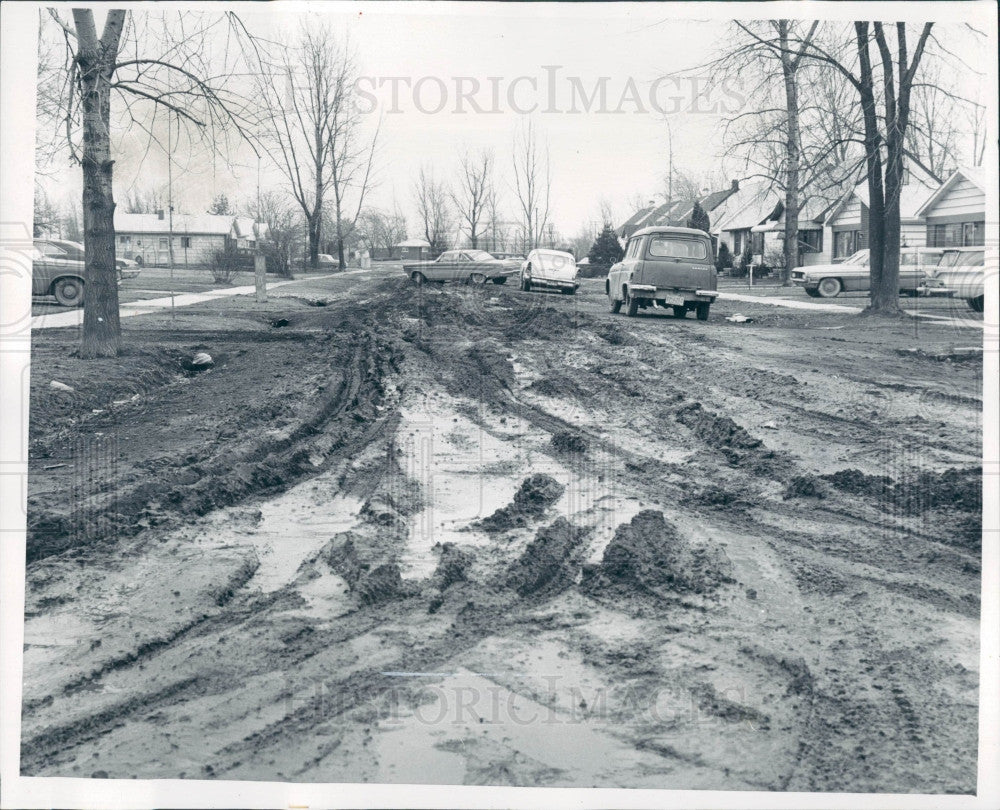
point(679, 311)
point(477, 278)
point(68, 292)
point(829, 288)
point(419, 278)
point(613, 304)
point(632, 305)
point(701, 311)
point(976, 304)
point(812, 293)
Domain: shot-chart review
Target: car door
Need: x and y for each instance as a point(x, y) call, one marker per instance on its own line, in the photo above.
point(911, 275)
point(442, 268)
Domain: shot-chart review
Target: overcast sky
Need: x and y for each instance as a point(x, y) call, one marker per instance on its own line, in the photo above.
point(464, 76)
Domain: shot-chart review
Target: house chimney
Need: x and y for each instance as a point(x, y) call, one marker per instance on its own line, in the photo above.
point(736, 185)
point(652, 203)
point(159, 213)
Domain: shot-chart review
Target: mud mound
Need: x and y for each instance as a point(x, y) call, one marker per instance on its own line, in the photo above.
point(856, 482)
point(719, 432)
point(452, 566)
point(381, 584)
point(566, 442)
point(613, 334)
point(545, 324)
point(648, 553)
point(536, 494)
point(547, 564)
point(718, 496)
point(953, 488)
point(343, 558)
point(805, 486)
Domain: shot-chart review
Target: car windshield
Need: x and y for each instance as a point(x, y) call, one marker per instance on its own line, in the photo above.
point(677, 247)
point(861, 257)
point(553, 259)
point(480, 256)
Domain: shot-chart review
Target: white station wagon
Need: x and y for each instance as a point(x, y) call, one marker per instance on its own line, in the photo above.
point(552, 269)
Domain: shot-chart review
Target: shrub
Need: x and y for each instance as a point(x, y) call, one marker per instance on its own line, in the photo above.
point(226, 264)
point(699, 218)
point(724, 259)
point(606, 249)
point(774, 259)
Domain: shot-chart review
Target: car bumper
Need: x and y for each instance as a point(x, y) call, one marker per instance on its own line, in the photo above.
point(672, 295)
point(560, 283)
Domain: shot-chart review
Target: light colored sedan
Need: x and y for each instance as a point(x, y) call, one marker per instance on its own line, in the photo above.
point(854, 274)
point(470, 265)
point(550, 269)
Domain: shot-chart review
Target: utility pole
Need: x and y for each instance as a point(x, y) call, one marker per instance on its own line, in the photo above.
point(170, 209)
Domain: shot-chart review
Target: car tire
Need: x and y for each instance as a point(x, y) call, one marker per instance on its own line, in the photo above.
point(614, 304)
point(679, 311)
point(525, 284)
point(477, 278)
point(812, 293)
point(631, 305)
point(68, 292)
point(701, 311)
point(976, 304)
point(418, 277)
point(829, 288)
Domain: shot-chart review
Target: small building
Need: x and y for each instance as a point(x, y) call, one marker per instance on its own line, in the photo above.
point(145, 238)
point(846, 222)
point(413, 250)
point(955, 214)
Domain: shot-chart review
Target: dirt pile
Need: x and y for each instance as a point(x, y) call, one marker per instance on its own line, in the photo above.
point(567, 442)
point(371, 584)
point(536, 494)
point(723, 434)
point(649, 554)
point(453, 566)
point(805, 486)
point(954, 488)
point(548, 564)
point(855, 482)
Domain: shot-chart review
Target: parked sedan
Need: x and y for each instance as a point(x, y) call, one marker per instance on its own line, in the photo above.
point(551, 269)
point(854, 274)
point(471, 266)
point(57, 275)
point(75, 251)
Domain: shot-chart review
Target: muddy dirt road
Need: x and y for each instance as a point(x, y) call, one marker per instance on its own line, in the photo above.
point(473, 535)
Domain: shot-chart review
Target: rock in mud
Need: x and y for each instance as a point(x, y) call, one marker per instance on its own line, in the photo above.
point(548, 563)
point(452, 567)
point(536, 494)
point(567, 442)
point(649, 553)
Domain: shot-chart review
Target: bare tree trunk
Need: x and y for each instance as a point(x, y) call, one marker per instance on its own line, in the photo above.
point(788, 69)
point(96, 62)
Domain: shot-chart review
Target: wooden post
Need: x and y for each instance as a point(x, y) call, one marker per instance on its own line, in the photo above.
point(260, 276)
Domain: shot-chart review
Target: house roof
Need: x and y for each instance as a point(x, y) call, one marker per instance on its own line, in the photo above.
point(750, 206)
point(183, 223)
point(974, 174)
point(414, 243)
point(675, 212)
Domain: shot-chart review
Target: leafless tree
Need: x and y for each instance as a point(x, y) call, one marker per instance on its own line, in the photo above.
point(147, 200)
point(152, 65)
point(433, 210)
point(472, 191)
point(532, 184)
point(382, 230)
point(278, 222)
point(313, 126)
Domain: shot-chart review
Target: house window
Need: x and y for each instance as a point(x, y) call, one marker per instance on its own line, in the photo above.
point(846, 243)
point(185, 241)
point(811, 241)
point(956, 234)
point(163, 242)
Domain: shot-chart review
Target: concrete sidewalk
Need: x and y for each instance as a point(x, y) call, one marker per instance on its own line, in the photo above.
point(790, 303)
point(74, 317)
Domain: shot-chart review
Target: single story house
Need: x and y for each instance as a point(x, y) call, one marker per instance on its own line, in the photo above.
point(145, 238)
point(847, 221)
point(676, 212)
point(756, 217)
point(955, 214)
point(413, 250)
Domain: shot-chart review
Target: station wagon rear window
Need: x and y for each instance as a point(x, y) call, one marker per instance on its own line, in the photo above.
point(676, 247)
